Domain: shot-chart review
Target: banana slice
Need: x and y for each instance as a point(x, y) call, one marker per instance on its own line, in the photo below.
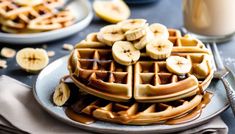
point(125, 53)
point(110, 34)
point(159, 49)
point(178, 65)
point(159, 30)
point(61, 94)
point(136, 33)
point(111, 11)
point(146, 39)
point(91, 41)
point(132, 24)
point(32, 60)
point(201, 70)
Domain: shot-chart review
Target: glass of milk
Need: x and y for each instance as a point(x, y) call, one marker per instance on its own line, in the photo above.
point(210, 20)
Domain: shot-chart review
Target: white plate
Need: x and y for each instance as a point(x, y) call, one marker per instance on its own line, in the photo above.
point(80, 8)
point(49, 78)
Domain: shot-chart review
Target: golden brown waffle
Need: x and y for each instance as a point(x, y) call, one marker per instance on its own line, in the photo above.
point(18, 31)
point(94, 70)
point(9, 9)
point(53, 3)
point(154, 83)
point(135, 113)
point(52, 21)
point(185, 44)
point(16, 18)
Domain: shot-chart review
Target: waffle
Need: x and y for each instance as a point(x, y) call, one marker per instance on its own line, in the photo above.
point(93, 69)
point(95, 72)
point(154, 83)
point(8, 9)
point(134, 113)
point(52, 21)
point(16, 18)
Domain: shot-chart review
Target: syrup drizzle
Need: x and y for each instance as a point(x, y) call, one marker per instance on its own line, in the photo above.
point(194, 114)
point(82, 118)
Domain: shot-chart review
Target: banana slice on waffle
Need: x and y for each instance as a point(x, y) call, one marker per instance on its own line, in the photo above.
point(159, 49)
point(159, 30)
point(91, 41)
point(136, 33)
point(145, 40)
point(178, 65)
point(125, 53)
point(132, 24)
point(110, 34)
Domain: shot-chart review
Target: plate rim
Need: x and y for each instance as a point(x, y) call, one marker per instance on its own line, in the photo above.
point(70, 122)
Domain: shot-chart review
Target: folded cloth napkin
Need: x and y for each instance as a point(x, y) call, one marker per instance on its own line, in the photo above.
point(21, 110)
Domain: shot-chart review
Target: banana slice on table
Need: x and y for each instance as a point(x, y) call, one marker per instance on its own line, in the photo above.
point(32, 60)
point(110, 34)
point(178, 65)
point(143, 41)
point(136, 33)
point(125, 53)
point(61, 94)
point(159, 30)
point(159, 49)
point(132, 24)
point(111, 11)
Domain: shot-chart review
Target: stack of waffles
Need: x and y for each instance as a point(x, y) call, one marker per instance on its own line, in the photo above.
point(140, 74)
point(23, 16)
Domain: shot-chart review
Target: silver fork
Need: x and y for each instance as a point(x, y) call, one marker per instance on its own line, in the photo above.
point(220, 73)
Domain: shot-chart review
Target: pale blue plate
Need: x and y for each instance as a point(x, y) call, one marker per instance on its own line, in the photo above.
point(49, 78)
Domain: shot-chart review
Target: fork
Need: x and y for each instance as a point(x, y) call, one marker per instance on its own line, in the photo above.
point(220, 73)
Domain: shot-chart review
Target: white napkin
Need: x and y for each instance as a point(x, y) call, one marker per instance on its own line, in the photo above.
point(19, 107)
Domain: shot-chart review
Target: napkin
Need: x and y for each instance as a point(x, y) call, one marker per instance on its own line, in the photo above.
point(20, 109)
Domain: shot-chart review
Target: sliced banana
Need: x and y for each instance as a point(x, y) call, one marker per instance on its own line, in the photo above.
point(146, 39)
point(159, 49)
point(32, 60)
point(111, 11)
point(178, 65)
point(110, 34)
point(125, 53)
point(201, 70)
point(132, 24)
point(136, 33)
point(159, 31)
point(61, 94)
point(91, 41)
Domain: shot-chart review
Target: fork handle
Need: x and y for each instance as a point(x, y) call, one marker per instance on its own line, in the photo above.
point(230, 94)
